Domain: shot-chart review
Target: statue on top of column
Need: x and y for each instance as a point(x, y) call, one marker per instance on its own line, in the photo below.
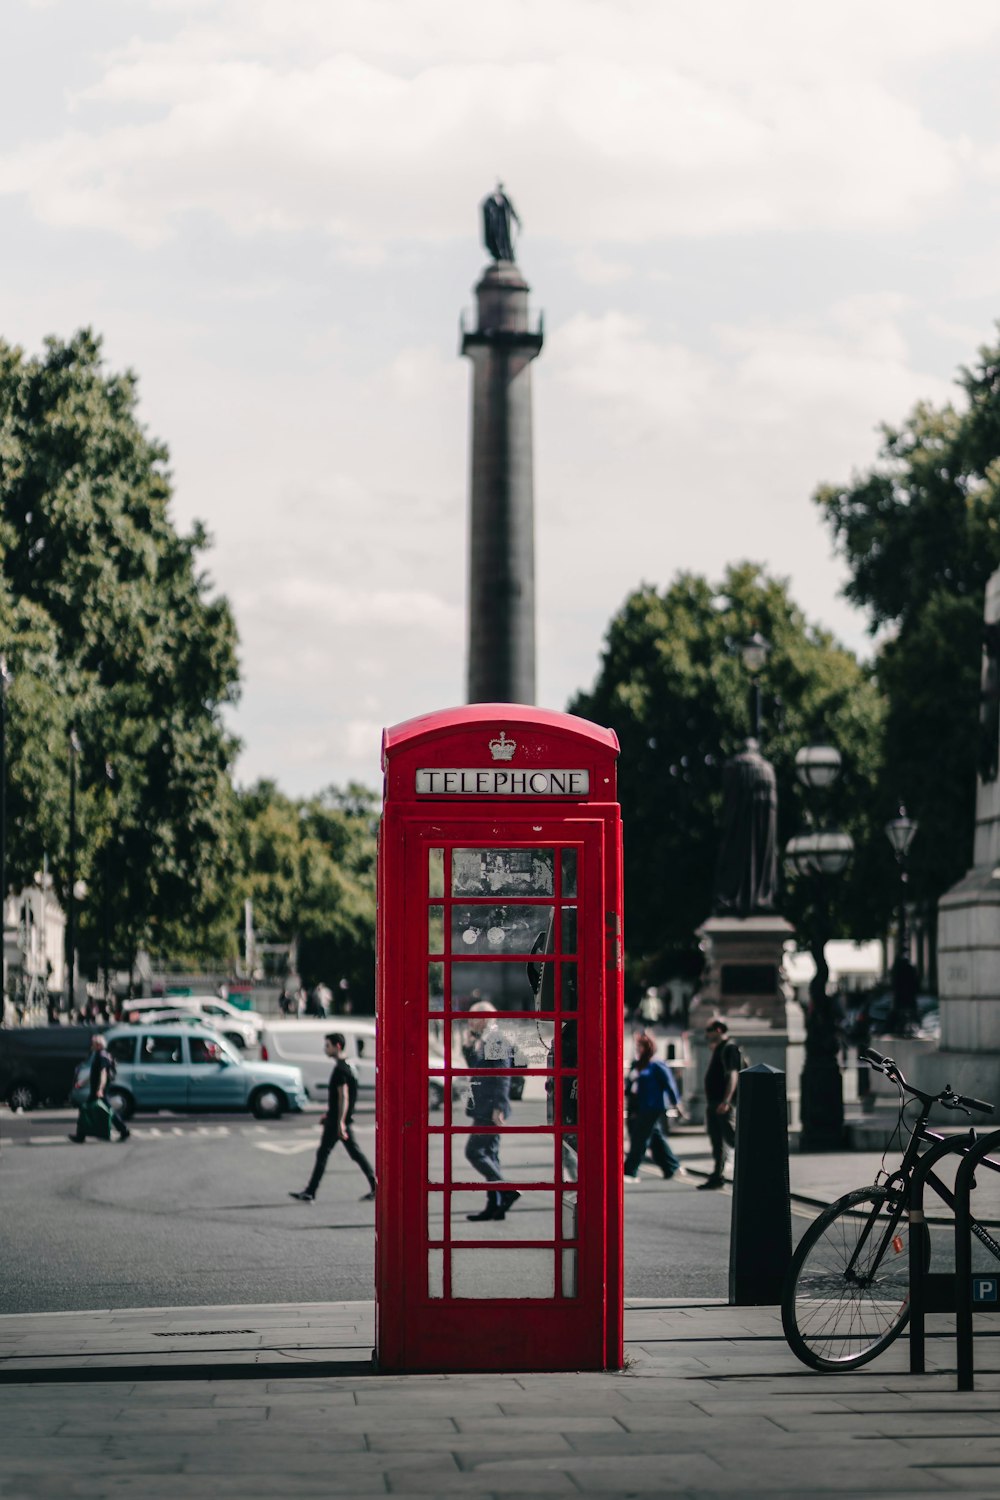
point(746, 875)
point(498, 212)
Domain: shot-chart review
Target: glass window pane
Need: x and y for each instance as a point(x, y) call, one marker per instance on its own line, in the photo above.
point(501, 929)
point(493, 1272)
point(204, 1051)
point(569, 1273)
point(517, 1158)
point(435, 1273)
point(507, 986)
point(435, 1046)
point(480, 1041)
point(569, 929)
point(502, 872)
point(122, 1048)
point(568, 873)
point(568, 1093)
point(569, 1216)
point(532, 1217)
point(161, 1049)
point(435, 986)
point(568, 979)
point(435, 1158)
point(435, 872)
point(529, 1103)
point(435, 1216)
point(570, 1167)
point(435, 929)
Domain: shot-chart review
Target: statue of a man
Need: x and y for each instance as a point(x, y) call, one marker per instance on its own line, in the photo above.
point(498, 211)
point(746, 875)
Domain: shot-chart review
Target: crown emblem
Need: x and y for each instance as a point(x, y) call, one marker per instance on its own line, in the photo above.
point(502, 748)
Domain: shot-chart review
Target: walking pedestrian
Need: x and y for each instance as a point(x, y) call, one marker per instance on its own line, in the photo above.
point(337, 1121)
point(721, 1078)
point(102, 1070)
point(489, 1103)
point(650, 1090)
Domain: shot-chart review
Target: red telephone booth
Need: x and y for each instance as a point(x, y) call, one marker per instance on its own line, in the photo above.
point(499, 1226)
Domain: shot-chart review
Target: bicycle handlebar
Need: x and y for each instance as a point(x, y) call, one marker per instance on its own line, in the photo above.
point(947, 1097)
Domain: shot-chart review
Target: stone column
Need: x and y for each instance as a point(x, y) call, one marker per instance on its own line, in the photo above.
point(501, 614)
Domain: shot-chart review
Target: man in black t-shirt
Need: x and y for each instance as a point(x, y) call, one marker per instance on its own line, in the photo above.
point(337, 1121)
point(721, 1078)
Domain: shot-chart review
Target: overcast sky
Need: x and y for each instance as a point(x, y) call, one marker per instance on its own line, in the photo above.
point(755, 230)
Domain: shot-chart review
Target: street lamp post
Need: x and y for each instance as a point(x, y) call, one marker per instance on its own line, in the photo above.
point(74, 750)
point(5, 680)
point(818, 856)
point(109, 781)
point(900, 833)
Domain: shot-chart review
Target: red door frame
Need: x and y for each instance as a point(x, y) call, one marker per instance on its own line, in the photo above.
point(416, 1330)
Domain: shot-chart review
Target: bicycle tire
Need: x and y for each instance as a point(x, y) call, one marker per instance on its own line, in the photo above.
point(835, 1319)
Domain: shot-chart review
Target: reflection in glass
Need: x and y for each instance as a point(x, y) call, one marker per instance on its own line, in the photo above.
point(435, 1273)
point(502, 1043)
point(522, 1158)
point(569, 929)
point(501, 929)
point(502, 872)
point(570, 1168)
point(531, 1108)
point(435, 1217)
point(435, 1046)
point(532, 1217)
point(507, 986)
point(435, 986)
point(569, 1273)
point(435, 1158)
point(492, 1272)
point(435, 872)
point(568, 978)
point(569, 1216)
point(568, 873)
point(435, 929)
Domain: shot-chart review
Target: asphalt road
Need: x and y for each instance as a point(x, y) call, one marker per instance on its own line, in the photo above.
point(194, 1210)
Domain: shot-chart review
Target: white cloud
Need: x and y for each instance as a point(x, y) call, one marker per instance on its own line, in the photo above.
point(620, 122)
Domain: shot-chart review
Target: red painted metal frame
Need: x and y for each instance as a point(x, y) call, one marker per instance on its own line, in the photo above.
point(415, 1331)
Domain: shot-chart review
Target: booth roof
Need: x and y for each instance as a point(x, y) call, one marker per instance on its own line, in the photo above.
point(425, 726)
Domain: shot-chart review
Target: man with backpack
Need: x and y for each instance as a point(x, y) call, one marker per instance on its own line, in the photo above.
point(721, 1078)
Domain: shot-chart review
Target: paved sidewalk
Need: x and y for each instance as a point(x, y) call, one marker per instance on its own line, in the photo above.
point(260, 1402)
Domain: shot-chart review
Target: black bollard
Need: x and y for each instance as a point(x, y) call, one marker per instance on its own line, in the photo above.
point(760, 1242)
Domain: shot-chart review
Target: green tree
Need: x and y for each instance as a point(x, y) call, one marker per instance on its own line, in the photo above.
point(110, 629)
point(309, 868)
point(673, 686)
point(921, 534)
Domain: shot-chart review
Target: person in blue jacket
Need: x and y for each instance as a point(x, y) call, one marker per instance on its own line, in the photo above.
point(650, 1090)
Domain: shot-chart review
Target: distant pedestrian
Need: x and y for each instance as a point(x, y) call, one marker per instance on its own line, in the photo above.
point(102, 1070)
point(485, 1047)
point(721, 1078)
point(337, 1121)
point(650, 1090)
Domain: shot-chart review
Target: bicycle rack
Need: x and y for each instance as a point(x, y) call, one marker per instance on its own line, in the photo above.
point(964, 1284)
point(930, 1292)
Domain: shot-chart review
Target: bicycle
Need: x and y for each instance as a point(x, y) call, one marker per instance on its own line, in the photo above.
point(847, 1292)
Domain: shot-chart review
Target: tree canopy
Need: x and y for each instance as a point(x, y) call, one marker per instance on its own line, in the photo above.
point(673, 686)
point(309, 867)
point(920, 531)
point(110, 629)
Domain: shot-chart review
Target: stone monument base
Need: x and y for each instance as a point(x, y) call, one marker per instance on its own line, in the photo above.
point(744, 983)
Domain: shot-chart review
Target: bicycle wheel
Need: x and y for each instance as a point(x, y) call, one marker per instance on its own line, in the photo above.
point(847, 1294)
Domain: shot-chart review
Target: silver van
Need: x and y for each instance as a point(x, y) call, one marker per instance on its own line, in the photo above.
point(299, 1044)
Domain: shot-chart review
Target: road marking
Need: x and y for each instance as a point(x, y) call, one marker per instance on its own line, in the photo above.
point(285, 1149)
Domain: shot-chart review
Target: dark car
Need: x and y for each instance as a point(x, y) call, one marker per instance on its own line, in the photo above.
point(37, 1063)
